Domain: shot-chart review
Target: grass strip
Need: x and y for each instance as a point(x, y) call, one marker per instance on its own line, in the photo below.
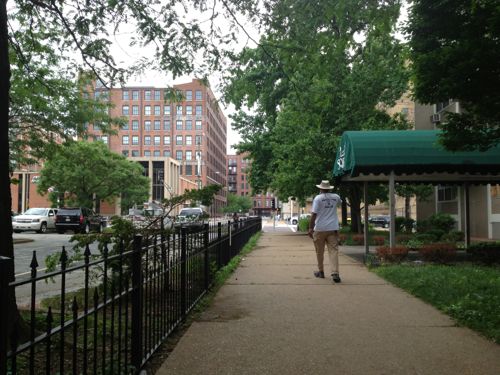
point(470, 294)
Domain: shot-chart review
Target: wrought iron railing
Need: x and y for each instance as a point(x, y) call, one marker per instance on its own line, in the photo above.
point(112, 312)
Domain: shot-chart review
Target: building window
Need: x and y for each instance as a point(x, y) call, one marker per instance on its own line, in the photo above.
point(166, 153)
point(189, 140)
point(179, 110)
point(189, 95)
point(125, 140)
point(166, 124)
point(157, 95)
point(147, 153)
point(188, 170)
point(104, 139)
point(166, 139)
point(198, 140)
point(125, 153)
point(199, 96)
point(135, 153)
point(135, 124)
point(135, 110)
point(147, 140)
point(125, 126)
point(147, 125)
point(178, 155)
point(178, 125)
point(199, 110)
point(166, 110)
point(157, 125)
point(156, 153)
point(157, 110)
point(189, 125)
point(147, 94)
point(97, 128)
point(125, 95)
point(404, 111)
point(135, 96)
point(156, 140)
point(197, 125)
point(189, 155)
point(447, 193)
point(135, 140)
point(178, 139)
point(189, 110)
point(147, 110)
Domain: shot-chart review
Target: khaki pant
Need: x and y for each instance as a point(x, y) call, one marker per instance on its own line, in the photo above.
point(331, 238)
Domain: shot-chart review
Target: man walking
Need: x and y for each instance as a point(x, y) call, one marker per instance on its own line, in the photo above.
point(324, 229)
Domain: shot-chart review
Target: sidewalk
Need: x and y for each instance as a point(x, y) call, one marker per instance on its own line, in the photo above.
point(274, 317)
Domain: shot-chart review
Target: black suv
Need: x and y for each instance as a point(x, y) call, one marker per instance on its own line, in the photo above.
point(78, 219)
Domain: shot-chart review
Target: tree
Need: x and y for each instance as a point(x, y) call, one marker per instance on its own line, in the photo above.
point(82, 34)
point(86, 172)
point(237, 203)
point(321, 68)
point(455, 53)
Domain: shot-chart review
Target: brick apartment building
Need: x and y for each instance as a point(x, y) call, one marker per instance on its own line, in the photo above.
point(192, 131)
point(237, 179)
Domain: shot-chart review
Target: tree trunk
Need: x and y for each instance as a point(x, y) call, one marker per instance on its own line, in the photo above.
point(7, 247)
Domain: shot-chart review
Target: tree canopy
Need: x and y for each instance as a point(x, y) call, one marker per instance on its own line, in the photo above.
point(238, 203)
point(455, 54)
point(82, 172)
point(320, 68)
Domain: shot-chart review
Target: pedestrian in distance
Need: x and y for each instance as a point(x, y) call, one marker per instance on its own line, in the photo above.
point(324, 229)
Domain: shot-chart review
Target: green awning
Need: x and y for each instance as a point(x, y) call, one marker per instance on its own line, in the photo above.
point(414, 156)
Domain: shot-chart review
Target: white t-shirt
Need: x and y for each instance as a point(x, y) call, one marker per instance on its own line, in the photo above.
point(325, 207)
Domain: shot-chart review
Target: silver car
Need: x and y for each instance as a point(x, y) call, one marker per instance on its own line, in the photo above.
point(37, 219)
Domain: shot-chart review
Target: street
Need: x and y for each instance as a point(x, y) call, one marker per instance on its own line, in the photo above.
point(44, 244)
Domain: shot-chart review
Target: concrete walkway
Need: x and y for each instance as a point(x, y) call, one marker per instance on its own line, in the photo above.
point(274, 317)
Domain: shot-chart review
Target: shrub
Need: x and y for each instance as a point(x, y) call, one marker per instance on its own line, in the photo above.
point(414, 244)
point(396, 254)
point(453, 236)
point(377, 240)
point(403, 238)
point(441, 221)
point(436, 233)
point(345, 229)
point(438, 252)
point(425, 238)
point(485, 252)
point(358, 239)
point(400, 223)
point(303, 224)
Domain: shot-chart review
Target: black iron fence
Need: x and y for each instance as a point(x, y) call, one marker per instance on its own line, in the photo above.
point(111, 313)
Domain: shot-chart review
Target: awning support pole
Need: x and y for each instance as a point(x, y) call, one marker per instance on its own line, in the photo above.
point(392, 211)
point(365, 228)
point(467, 215)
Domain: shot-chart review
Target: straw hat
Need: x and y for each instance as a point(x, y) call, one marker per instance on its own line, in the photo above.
point(325, 185)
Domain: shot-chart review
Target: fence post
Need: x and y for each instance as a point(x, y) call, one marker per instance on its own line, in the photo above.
point(207, 260)
point(219, 245)
point(183, 271)
point(136, 300)
point(4, 314)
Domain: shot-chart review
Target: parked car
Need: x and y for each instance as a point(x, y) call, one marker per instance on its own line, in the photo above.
point(78, 219)
point(380, 221)
point(37, 219)
point(191, 217)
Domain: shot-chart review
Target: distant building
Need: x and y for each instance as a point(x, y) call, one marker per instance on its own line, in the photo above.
point(192, 131)
point(237, 176)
